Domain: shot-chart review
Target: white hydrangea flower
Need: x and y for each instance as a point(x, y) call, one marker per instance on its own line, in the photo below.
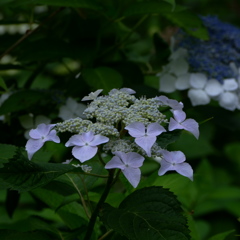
point(202, 89)
point(175, 74)
point(71, 109)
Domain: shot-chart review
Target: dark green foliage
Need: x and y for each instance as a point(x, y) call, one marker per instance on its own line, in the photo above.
point(24, 175)
point(148, 214)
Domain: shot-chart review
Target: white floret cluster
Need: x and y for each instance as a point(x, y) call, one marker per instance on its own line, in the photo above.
point(108, 111)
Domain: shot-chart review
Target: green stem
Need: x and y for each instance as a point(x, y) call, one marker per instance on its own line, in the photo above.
point(90, 174)
point(106, 234)
point(80, 195)
point(99, 205)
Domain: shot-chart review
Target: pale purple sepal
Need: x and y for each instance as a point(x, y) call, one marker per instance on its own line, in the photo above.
point(145, 137)
point(39, 136)
point(180, 122)
point(129, 163)
point(174, 161)
point(165, 101)
point(85, 145)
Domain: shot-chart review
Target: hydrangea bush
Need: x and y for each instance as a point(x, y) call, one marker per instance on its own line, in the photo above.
point(207, 69)
point(123, 131)
point(117, 165)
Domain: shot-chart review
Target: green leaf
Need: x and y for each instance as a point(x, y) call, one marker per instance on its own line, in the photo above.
point(3, 84)
point(190, 22)
point(103, 78)
point(6, 153)
point(221, 236)
point(70, 3)
point(31, 224)
point(20, 100)
point(151, 213)
point(148, 7)
point(232, 151)
point(13, 235)
point(172, 2)
point(168, 137)
point(72, 213)
point(25, 175)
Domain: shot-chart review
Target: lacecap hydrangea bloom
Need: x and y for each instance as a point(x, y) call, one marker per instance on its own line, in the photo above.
point(126, 128)
point(209, 69)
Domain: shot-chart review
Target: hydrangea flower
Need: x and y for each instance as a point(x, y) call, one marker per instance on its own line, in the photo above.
point(145, 137)
point(174, 161)
point(229, 98)
point(125, 90)
point(92, 95)
point(29, 122)
point(211, 64)
point(71, 109)
point(180, 122)
point(165, 101)
point(143, 120)
point(129, 163)
point(39, 136)
point(213, 56)
point(175, 74)
point(85, 145)
point(201, 89)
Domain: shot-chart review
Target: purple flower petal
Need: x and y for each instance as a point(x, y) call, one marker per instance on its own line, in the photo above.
point(84, 153)
point(136, 129)
point(165, 166)
point(155, 129)
point(85, 145)
point(87, 137)
point(115, 162)
point(174, 104)
point(134, 160)
point(173, 124)
point(146, 143)
point(40, 135)
point(127, 90)
point(32, 146)
point(184, 169)
point(52, 136)
point(192, 126)
point(177, 157)
point(129, 163)
point(98, 139)
point(179, 115)
point(168, 156)
point(75, 140)
point(174, 161)
point(41, 130)
point(133, 175)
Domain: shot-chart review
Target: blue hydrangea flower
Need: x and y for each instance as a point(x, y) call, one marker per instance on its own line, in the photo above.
point(213, 56)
